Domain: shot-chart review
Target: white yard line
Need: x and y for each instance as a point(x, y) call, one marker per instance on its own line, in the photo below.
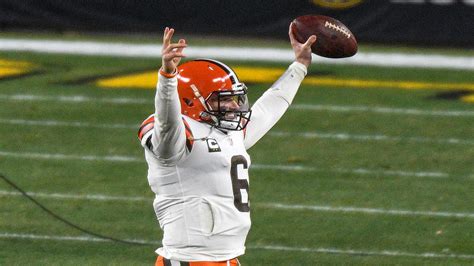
point(93, 197)
point(300, 168)
point(233, 53)
point(58, 156)
point(360, 171)
point(390, 253)
point(367, 210)
point(380, 110)
point(346, 136)
point(303, 107)
point(69, 238)
point(73, 99)
point(281, 206)
point(308, 135)
point(56, 123)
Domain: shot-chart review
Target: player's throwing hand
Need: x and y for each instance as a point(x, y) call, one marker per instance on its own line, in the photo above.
point(302, 50)
point(171, 53)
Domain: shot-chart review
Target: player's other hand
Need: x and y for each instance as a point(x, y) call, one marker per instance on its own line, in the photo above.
point(302, 50)
point(171, 53)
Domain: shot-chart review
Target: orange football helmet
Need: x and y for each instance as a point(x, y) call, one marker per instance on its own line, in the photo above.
point(205, 89)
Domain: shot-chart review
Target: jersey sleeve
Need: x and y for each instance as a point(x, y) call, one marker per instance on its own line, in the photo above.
point(167, 137)
point(271, 106)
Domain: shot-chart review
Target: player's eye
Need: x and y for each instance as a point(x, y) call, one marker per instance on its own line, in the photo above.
point(228, 98)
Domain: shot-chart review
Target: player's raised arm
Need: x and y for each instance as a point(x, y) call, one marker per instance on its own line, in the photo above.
point(168, 141)
point(271, 106)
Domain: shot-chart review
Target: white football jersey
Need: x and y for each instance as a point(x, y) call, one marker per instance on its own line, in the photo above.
point(200, 173)
point(202, 202)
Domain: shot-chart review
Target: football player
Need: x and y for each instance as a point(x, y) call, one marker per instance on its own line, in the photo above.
point(196, 146)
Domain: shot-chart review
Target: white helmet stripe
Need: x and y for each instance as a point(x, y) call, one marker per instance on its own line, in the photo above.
point(199, 96)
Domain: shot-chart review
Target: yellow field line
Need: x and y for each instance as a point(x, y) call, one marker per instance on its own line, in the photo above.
point(269, 75)
point(6, 71)
point(14, 63)
point(468, 98)
point(13, 68)
point(407, 85)
point(145, 80)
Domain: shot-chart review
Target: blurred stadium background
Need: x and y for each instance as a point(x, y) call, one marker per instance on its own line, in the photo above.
point(372, 165)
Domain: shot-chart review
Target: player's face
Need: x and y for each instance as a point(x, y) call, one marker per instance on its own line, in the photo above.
point(230, 109)
point(227, 103)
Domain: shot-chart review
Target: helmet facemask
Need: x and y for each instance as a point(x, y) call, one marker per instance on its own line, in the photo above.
point(229, 109)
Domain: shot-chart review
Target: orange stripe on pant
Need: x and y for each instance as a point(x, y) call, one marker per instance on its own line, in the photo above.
point(160, 261)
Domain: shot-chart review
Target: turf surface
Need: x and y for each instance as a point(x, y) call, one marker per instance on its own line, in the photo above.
point(421, 169)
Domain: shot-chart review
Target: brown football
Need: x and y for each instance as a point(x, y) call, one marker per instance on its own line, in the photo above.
point(335, 40)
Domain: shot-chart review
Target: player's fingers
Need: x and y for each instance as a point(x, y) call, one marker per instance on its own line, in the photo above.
point(177, 55)
point(291, 33)
point(168, 36)
point(180, 49)
point(311, 40)
point(174, 46)
point(165, 32)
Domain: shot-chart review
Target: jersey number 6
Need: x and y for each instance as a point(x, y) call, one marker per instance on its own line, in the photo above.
point(239, 184)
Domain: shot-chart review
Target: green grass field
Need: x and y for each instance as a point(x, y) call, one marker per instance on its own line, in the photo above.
point(349, 176)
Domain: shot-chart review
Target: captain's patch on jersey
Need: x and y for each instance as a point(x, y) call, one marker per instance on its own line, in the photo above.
point(213, 145)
